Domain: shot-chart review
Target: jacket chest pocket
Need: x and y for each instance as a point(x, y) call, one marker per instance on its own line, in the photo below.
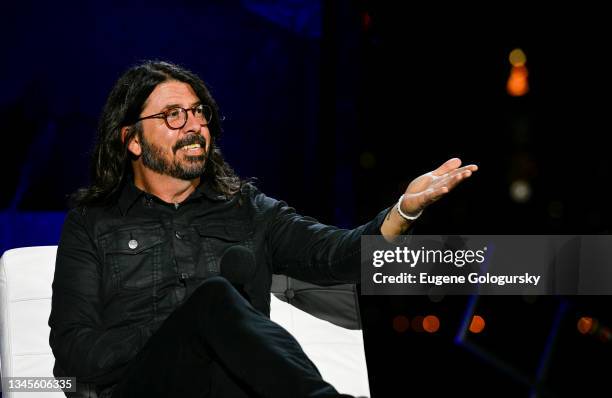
point(135, 257)
point(216, 239)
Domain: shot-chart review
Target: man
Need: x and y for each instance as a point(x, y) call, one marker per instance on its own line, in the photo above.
point(139, 308)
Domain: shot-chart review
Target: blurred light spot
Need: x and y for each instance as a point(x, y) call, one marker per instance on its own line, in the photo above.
point(367, 160)
point(431, 323)
point(555, 209)
point(521, 129)
point(585, 325)
point(366, 21)
point(520, 191)
point(417, 323)
point(605, 335)
point(517, 57)
point(478, 324)
point(401, 324)
point(518, 84)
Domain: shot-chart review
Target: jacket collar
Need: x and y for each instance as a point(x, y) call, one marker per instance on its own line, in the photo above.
point(130, 194)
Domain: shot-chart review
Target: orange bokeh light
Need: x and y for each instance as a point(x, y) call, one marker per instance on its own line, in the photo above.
point(585, 324)
point(518, 84)
point(477, 325)
point(431, 323)
point(517, 57)
point(401, 324)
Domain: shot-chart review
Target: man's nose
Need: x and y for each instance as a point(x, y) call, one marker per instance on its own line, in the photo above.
point(193, 125)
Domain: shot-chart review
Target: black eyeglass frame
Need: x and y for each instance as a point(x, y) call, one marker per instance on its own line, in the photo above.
point(206, 112)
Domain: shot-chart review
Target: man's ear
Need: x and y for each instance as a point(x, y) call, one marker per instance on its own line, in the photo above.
point(134, 144)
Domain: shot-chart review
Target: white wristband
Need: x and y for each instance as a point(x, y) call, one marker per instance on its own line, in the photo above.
point(404, 215)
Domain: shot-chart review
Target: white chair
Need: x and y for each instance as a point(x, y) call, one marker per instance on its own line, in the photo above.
point(26, 275)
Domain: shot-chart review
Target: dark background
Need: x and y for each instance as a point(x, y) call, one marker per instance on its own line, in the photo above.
point(335, 106)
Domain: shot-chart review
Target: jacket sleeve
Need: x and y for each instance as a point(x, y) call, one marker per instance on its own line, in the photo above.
point(303, 248)
point(83, 348)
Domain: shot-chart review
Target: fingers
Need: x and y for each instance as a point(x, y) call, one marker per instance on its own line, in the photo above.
point(470, 167)
point(443, 180)
point(449, 165)
point(465, 171)
point(452, 165)
point(453, 179)
point(442, 185)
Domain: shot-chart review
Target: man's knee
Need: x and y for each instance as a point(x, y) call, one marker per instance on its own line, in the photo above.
point(215, 290)
point(216, 302)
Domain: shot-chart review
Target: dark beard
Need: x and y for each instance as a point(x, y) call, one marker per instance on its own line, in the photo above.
point(153, 159)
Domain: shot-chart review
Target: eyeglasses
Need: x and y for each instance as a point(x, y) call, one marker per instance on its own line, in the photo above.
point(176, 118)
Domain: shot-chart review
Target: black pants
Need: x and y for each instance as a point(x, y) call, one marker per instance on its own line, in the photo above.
point(218, 345)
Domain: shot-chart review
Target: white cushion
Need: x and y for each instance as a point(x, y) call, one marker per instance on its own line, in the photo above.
point(337, 352)
point(26, 275)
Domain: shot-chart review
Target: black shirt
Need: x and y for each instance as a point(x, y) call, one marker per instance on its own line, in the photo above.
point(121, 269)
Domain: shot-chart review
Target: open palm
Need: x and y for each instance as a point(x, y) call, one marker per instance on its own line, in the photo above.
point(429, 187)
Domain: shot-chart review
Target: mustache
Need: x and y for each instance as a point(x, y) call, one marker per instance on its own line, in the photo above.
point(188, 140)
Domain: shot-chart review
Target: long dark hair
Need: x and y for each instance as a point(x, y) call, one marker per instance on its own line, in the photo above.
point(110, 162)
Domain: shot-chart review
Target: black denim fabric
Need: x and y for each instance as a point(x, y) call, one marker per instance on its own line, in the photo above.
point(122, 269)
point(201, 351)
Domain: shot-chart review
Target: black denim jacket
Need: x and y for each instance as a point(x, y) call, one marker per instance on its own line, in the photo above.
point(122, 269)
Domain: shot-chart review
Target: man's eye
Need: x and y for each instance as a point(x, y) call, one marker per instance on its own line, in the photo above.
point(174, 113)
